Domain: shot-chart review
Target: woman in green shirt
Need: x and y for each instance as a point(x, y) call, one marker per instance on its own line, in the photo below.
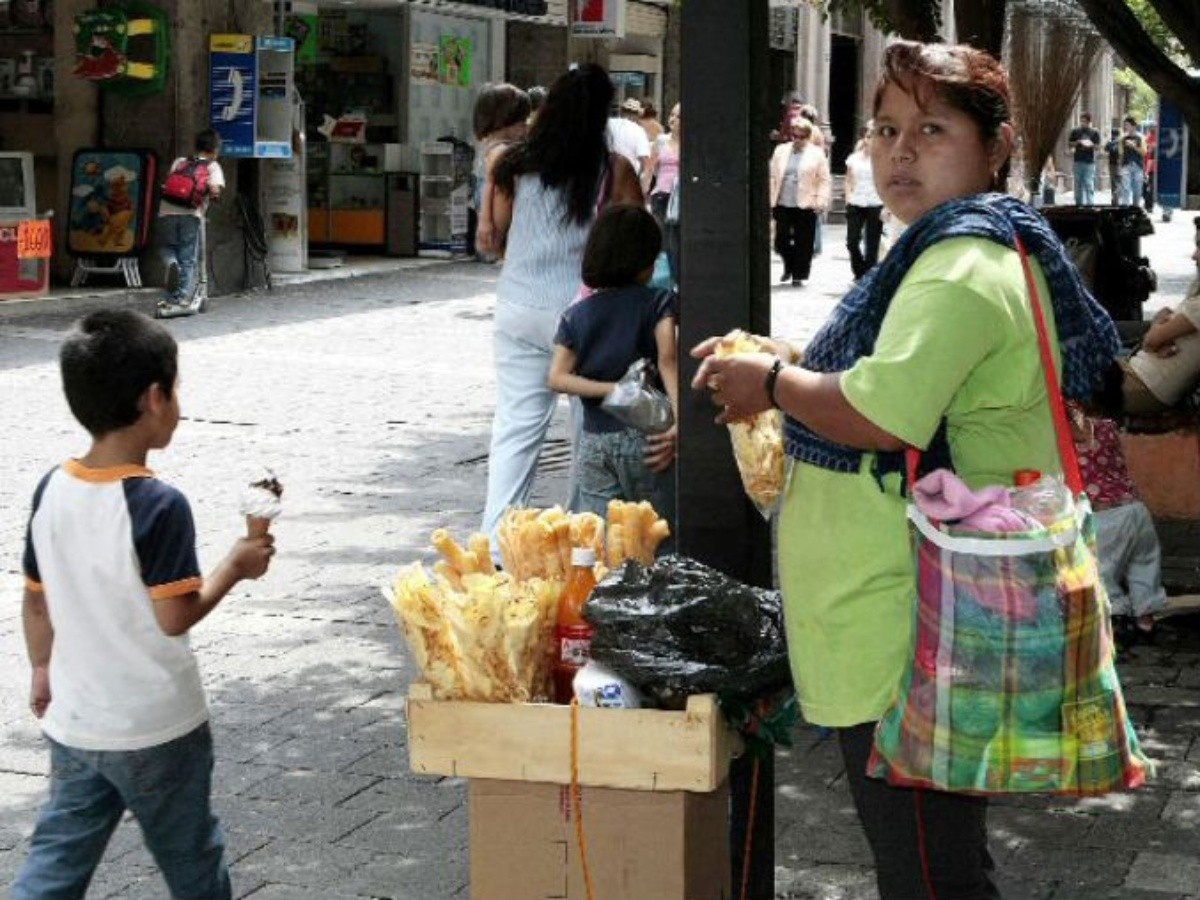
point(935, 348)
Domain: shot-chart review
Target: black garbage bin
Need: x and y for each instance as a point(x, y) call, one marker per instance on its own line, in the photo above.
point(1105, 242)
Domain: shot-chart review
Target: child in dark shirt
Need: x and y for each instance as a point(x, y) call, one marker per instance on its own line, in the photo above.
point(598, 339)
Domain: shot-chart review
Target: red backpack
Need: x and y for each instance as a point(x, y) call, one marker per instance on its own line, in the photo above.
point(187, 185)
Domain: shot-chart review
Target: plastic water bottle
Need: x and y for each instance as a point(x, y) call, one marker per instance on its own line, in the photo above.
point(1044, 498)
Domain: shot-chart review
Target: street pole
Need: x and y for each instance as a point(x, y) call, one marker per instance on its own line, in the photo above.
point(725, 283)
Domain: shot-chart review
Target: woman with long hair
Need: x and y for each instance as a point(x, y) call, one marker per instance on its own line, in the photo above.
point(548, 189)
point(935, 348)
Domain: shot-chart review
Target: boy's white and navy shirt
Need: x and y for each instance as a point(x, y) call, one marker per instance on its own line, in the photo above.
point(104, 545)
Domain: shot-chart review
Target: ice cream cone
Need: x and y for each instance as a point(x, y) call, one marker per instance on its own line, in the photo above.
point(257, 526)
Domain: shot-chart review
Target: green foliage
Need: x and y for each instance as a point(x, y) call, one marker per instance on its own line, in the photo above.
point(1157, 30)
point(1143, 101)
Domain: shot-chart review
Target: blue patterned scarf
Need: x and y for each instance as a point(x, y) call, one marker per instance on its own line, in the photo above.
point(1087, 337)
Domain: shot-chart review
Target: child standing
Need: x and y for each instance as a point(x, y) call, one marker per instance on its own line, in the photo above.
point(112, 588)
point(179, 224)
point(1126, 543)
point(598, 339)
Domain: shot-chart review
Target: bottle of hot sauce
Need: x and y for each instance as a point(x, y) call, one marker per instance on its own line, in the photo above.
point(573, 634)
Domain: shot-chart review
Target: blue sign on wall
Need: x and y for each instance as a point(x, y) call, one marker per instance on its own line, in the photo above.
point(1172, 156)
point(233, 78)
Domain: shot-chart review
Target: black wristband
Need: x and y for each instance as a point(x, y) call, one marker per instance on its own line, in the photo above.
point(772, 377)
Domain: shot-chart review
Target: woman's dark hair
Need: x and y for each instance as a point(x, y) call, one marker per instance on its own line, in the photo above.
point(649, 111)
point(623, 243)
point(966, 79)
point(567, 146)
point(499, 106)
point(108, 361)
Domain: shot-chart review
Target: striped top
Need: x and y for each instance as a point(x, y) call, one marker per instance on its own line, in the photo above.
point(545, 249)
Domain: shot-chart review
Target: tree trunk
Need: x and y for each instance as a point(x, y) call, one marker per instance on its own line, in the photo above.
point(981, 24)
point(1118, 25)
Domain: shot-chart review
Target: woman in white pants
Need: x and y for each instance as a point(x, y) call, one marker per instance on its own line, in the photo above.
point(547, 191)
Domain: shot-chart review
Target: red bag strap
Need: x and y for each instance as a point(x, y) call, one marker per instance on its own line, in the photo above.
point(1058, 408)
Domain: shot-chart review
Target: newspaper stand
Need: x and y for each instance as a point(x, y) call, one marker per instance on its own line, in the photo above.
point(654, 790)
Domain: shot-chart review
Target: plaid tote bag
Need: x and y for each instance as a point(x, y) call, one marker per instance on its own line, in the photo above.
point(1012, 687)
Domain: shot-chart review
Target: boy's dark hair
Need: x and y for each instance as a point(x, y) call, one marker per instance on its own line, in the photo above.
point(624, 242)
point(499, 106)
point(207, 141)
point(108, 360)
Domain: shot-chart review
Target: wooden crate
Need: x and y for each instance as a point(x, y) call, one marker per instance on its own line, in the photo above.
point(634, 749)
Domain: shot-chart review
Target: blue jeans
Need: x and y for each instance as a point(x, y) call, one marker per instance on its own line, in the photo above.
point(166, 788)
point(179, 242)
point(1085, 183)
point(1132, 180)
point(610, 465)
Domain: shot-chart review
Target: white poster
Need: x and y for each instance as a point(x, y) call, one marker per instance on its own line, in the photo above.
point(423, 64)
point(598, 18)
point(283, 210)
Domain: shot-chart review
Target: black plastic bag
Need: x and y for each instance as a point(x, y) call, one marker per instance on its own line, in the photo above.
point(679, 627)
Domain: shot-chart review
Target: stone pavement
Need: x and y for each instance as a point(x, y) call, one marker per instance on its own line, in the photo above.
point(372, 398)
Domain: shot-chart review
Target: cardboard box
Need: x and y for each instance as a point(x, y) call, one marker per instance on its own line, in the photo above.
point(634, 749)
point(641, 845)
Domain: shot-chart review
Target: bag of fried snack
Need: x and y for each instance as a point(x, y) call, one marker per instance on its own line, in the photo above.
point(758, 440)
point(536, 543)
point(634, 532)
point(486, 638)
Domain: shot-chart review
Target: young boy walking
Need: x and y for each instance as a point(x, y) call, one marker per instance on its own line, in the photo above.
point(112, 588)
point(180, 218)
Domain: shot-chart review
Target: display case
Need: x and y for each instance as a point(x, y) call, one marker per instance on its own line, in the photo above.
point(348, 187)
point(445, 195)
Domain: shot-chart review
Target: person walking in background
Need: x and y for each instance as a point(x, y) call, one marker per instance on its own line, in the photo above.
point(501, 113)
point(1112, 150)
point(800, 190)
point(662, 169)
point(1083, 142)
point(661, 181)
point(548, 189)
point(596, 343)
point(864, 208)
point(627, 137)
point(649, 121)
point(112, 589)
point(1133, 161)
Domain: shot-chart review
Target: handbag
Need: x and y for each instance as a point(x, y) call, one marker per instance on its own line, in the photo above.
point(636, 400)
point(1011, 687)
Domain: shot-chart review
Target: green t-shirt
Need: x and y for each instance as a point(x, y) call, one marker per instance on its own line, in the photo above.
point(959, 342)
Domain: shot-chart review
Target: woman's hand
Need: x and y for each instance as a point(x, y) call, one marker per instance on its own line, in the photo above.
point(738, 383)
point(660, 450)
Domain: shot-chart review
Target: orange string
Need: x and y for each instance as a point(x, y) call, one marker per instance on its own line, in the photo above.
point(749, 846)
point(577, 799)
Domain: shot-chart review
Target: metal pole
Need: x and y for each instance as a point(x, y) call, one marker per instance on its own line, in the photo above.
point(725, 283)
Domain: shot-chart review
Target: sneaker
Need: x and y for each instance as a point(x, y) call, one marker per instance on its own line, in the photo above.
point(199, 302)
point(787, 276)
point(168, 310)
point(796, 282)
